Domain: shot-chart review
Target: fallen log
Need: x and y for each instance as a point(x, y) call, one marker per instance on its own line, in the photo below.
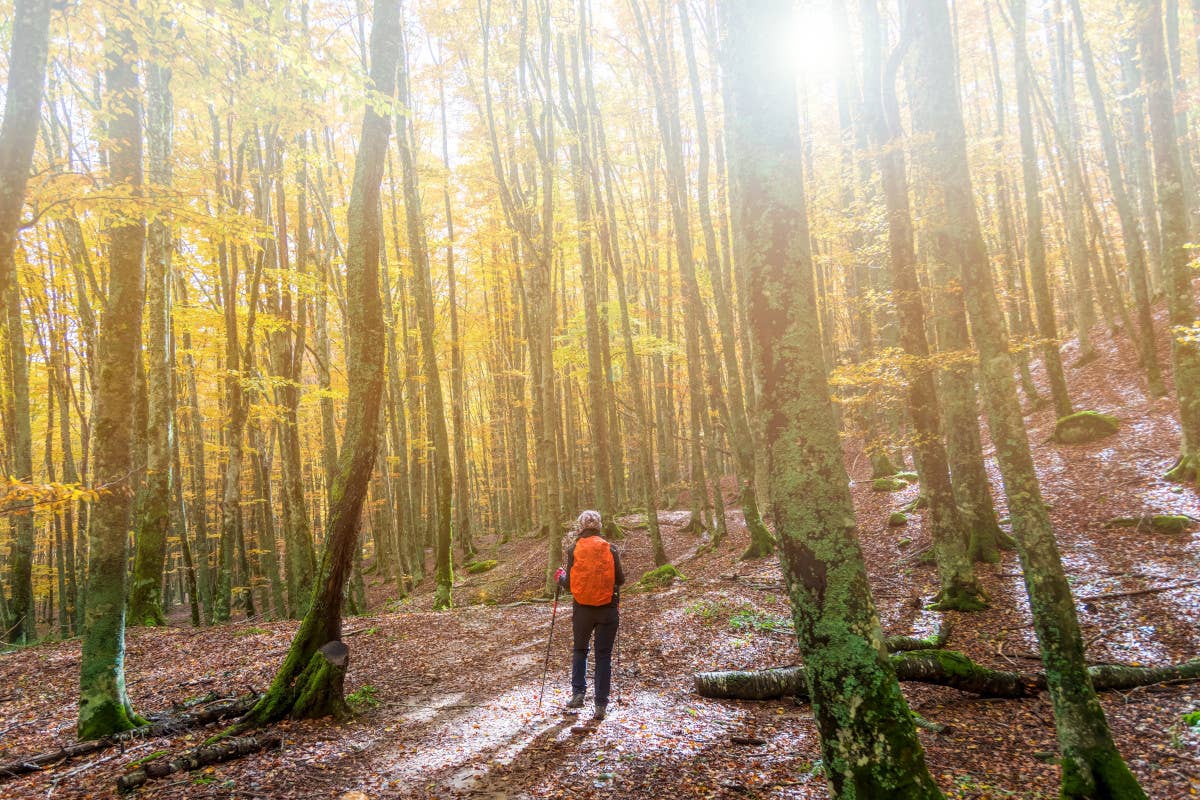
point(900, 644)
point(165, 726)
point(939, 667)
point(197, 757)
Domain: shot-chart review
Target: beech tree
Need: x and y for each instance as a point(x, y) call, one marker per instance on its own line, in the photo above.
point(104, 706)
point(310, 681)
point(22, 110)
point(868, 738)
point(1092, 767)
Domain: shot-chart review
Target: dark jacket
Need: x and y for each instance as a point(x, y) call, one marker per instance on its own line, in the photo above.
point(618, 573)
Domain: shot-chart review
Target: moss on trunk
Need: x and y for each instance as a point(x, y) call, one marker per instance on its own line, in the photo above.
point(869, 742)
point(104, 706)
point(957, 241)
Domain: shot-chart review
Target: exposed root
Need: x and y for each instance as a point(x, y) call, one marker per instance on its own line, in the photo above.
point(1185, 470)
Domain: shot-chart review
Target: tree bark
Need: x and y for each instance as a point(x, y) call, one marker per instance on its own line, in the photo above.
point(1131, 235)
point(309, 683)
point(873, 751)
point(104, 707)
point(423, 301)
point(22, 112)
point(939, 667)
point(1091, 763)
point(1035, 247)
point(959, 588)
point(1169, 180)
point(154, 502)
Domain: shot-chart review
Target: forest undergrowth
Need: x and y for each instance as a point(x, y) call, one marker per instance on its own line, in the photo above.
point(447, 702)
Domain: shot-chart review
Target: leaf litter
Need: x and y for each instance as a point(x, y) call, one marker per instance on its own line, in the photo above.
point(454, 709)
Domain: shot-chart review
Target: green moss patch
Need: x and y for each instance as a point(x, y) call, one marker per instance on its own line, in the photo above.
point(475, 567)
point(1085, 426)
point(661, 577)
point(897, 519)
point(1159, 523)
point(363, 697)
point(888, 484)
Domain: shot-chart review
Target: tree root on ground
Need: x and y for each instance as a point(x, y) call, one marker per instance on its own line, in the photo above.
point(940, 667)
point(165, 726)
point(197, 757)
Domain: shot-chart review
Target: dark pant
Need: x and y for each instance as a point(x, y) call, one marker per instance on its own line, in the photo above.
point(603, 620)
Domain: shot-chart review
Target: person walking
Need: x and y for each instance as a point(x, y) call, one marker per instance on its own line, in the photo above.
point(593, 576)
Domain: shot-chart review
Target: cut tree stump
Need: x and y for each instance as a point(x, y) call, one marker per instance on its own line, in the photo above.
point(197, 757)
point(165, 726)
point(940, 667)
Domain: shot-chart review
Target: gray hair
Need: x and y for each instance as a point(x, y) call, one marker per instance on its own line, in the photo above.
point(589, 520)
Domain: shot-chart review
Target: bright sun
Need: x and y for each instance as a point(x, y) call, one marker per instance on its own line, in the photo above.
point(813, 46)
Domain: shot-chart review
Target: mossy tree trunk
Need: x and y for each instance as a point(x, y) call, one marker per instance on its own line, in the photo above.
point(435, 406)
point(1169, 179)
point(956, 386)
point(939, 667)
point(959, 588)
point(30, 26)
point(1092, 767)
point(309, 683)
point(868, 738)
point(104, 707)
point(154, 500)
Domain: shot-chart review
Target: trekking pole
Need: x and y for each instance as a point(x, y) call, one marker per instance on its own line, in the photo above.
point(549, 640)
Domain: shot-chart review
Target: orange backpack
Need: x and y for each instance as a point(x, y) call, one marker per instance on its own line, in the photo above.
point(593, 572)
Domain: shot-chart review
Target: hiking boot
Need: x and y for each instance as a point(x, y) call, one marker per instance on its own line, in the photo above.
point(601, 712)
point(576, 700)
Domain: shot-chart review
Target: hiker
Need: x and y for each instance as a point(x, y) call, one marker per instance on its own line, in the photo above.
point(593, 576)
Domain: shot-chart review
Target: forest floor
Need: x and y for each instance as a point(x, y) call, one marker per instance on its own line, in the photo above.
point(452, 705)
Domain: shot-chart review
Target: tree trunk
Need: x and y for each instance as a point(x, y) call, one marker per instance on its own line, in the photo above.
point(1091, 764)
point(1131, 235)
point(1035, 247)
point(154, 503)
point(462, 495)
point(959, 588)
point(939, 667)
point(1062, 75)
point(30, 24)
point(423, 301)
point(872, 751)
point(310, 681)
point(1181, 304)
point(600, 460)
point(104, 707)
point(762, 543)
